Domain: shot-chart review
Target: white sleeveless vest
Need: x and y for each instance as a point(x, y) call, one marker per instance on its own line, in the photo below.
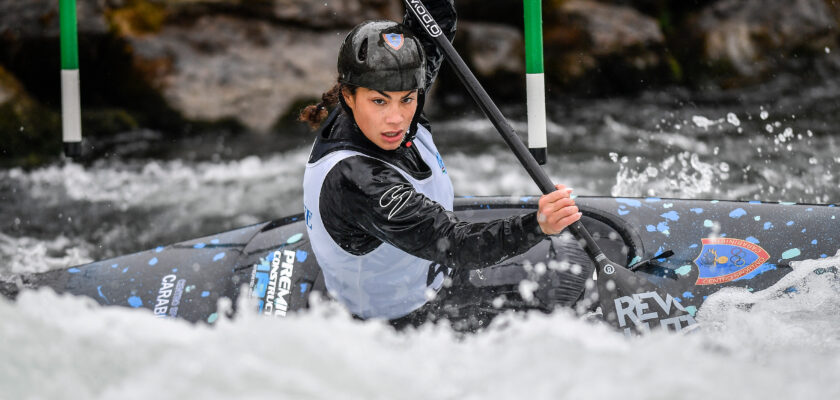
point(387, 282)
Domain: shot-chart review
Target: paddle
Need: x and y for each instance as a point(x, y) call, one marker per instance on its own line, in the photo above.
point(629, 302)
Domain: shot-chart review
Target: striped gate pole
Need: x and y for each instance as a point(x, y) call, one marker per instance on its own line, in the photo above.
point(535, 80)
point(71, 115)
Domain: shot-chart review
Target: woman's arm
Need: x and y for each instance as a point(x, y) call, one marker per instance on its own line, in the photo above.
point(443, 11)
point(365, 202)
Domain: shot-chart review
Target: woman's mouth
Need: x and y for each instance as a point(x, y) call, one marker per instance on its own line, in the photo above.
point(392, 136)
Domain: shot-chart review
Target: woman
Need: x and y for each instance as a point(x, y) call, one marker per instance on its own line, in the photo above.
point(377, 194)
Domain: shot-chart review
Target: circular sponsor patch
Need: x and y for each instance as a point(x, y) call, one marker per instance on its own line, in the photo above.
point(724, 260)
point(609, 269)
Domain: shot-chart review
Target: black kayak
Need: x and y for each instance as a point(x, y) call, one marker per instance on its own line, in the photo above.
point(688, 248)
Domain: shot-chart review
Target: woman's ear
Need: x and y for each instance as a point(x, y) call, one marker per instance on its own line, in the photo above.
point(349, 99)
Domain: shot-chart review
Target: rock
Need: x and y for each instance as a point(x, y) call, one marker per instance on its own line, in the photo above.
point(659, 8)
point(29, 19)
point(223, 67)
point(617, 45)
point(335, 14)
point(608, 29)
point(27, 129)
point(494, 53)
point(316, 14)
point(751, 35)
point(492, 49)
point(9, 86)
point(6, 92)
point(499, 11)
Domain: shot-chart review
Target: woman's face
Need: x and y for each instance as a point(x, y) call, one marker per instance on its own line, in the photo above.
point(384, 117)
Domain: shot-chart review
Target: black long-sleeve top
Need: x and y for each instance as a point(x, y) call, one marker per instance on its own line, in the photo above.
point(350, 196)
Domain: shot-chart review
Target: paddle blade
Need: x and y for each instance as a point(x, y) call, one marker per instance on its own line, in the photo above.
point(634, 304)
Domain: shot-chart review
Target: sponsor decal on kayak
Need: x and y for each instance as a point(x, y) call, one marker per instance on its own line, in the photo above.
point(394, 40)
point(637, 311)
point(724, 260)
point(271, 282)
point(169, 296)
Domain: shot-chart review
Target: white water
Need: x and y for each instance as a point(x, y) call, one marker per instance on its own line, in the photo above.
point(786, 346)
point(783, 346)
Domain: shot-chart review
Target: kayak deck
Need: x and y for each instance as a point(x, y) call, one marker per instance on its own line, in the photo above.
point(715, 244)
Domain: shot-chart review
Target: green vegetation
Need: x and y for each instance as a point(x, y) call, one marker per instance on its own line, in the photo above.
point(137, 17)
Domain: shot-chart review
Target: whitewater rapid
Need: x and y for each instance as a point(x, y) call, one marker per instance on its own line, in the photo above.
point(785, 346)
point(767, 345)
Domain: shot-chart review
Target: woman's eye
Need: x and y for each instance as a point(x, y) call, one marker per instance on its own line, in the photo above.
point(378, 101)
point(408, 100)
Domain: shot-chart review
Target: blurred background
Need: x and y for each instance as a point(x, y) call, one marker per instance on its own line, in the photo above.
point(153, 70)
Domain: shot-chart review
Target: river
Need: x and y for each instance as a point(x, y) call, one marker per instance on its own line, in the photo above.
point(776, 142)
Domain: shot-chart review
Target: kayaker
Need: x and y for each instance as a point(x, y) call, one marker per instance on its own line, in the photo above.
point(377, 195)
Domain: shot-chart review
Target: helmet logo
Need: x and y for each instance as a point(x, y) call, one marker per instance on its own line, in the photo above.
point(395, 40)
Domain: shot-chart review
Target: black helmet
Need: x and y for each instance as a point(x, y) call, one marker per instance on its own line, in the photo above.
point(382, 55)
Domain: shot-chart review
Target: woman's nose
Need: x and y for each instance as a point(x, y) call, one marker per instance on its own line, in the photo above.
point(394, 117)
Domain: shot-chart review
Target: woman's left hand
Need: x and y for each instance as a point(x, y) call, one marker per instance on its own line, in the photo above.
point(557, 210)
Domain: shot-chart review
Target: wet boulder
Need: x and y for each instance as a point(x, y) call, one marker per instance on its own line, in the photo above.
point(245, 61)
point(744, 40)
point(39, 19)
point(496, 11)
point(219, 67)
point(597, 47)
point(669, 11)
point(495, 53)
point(492, 49)
point(313, 14)
point(27, 129)
point(335, 14)
point(8, 87)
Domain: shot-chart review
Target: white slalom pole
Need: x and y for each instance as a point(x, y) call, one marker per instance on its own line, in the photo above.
point(71, 111)
point(535, 81)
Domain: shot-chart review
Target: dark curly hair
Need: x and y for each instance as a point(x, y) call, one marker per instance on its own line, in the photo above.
point(314, 114)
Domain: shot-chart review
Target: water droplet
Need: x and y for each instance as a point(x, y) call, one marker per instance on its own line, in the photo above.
point(702, 122)
point(764, 115)
point(788, 133)
point(733, 119)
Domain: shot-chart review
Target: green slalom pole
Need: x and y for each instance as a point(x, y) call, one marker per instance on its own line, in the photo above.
point(71, 114)
point(535, 80)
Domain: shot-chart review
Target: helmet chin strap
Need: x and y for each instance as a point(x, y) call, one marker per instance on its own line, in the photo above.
point(412, 128)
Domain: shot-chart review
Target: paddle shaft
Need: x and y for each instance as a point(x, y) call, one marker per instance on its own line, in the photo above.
point(624, 297)
point(500, 122)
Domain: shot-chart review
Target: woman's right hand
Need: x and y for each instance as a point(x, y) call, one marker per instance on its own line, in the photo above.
point(557, 210)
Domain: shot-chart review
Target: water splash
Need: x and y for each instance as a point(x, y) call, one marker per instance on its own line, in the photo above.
point(682, 175)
